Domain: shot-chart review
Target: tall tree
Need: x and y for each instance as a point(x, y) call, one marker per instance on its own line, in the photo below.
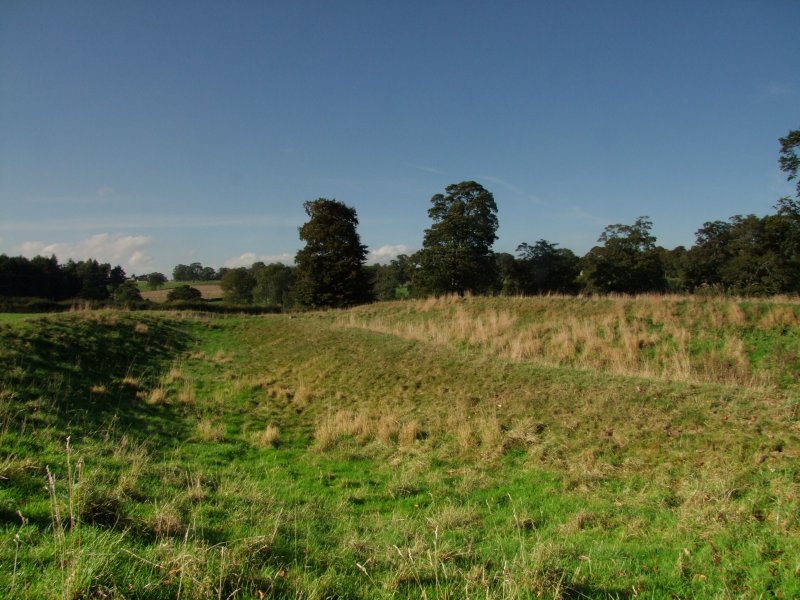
point(330, 268)
point(544, 268)
point(456, 255)
point(156, 280)
point(789, 161)
point(628, 262)
point(237, 286)
point(273, 283)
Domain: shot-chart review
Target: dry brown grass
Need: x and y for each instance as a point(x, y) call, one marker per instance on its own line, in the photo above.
point(270, 437)
point(158, 395)
point(210, 430)
point(209, 291)
point(361, 427)
point(652, 336)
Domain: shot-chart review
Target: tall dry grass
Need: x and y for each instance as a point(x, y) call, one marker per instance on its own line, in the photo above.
point(671, 337)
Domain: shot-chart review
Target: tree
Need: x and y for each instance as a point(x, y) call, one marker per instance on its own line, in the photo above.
point(456, 255)
point(127, 292)
point(543, 268)
point(789, 161)
point(156, 280)
point(237, 286)
point(628, 262)
point(273, 284)
point(184, 292)
point(330, 268)
point(391, 282)
point(93, 278)
point(747, 254)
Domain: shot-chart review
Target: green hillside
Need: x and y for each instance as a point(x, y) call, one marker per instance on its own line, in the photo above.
point(452, 448)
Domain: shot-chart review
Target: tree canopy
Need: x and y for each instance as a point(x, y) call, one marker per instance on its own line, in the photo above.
point(330, 268)
point(456, 255)
point(237, 286)
point(788, 160)
point(627, 262)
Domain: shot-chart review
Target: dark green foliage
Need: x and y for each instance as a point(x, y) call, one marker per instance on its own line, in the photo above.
point(184, 292)
point(674, 262)
point(194, 272)
point(543, 268)
point(789, 161)
point(237, 286)
point(747, 254)
point(127, 292)
point(628, 261)
point(330, 268)
point(156, 280)
point(456, 255)
point(392, 281)
point(273, 284)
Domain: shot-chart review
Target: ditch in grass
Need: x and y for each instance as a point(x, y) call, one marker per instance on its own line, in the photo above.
point(300, 458)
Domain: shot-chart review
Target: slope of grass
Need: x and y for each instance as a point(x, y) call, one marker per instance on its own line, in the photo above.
point(254, 457)
point(683, 338)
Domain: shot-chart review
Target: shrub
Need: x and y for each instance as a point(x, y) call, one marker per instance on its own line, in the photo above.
point(184, 292)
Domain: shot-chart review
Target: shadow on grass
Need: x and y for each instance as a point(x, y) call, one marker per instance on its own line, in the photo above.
point(87, 372)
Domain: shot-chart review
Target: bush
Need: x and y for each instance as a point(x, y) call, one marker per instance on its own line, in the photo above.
point(184, 292)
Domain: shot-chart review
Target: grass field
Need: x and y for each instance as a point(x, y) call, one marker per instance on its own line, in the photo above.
point(452, 448)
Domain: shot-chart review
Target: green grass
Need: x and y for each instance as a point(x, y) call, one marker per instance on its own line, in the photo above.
point(402, 467)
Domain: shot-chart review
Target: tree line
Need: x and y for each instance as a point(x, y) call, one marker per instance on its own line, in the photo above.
point(746, 255)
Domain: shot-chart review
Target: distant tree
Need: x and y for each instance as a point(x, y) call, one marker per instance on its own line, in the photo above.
point(628, 261)
point(330, 268)
point(127, 292)
point(184, 292)
point(789, 161)
point(193, 272)
point(237, 286)
point(156, 280)
point(116, 277)
point(543, 268)
point(93, 278)
point(181, 273)
point(274, 284)
point(675, 263)
point(747, 254)
point(392, 281)
point(456, 255)
point(505, 282)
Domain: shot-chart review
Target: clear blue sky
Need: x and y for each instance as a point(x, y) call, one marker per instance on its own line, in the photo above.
point(155, 133)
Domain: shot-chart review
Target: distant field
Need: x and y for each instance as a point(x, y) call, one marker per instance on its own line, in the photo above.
point(210, 290)
point(450, 448)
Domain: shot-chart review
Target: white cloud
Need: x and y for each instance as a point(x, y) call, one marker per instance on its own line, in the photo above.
point(248, 258)
point(386, 253)
point(129, 251)
point(105, 191)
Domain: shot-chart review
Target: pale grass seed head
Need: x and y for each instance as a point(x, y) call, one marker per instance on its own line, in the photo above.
point(270, 437)
point(409, 433)
point(210, 430)
point(158, 395)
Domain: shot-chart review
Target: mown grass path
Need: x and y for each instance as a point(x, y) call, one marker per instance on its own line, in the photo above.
point(282, 457)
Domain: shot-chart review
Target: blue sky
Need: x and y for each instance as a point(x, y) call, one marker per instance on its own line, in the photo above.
point(150, 134)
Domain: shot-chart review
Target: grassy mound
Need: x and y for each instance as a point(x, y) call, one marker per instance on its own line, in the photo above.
point(317, 457)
